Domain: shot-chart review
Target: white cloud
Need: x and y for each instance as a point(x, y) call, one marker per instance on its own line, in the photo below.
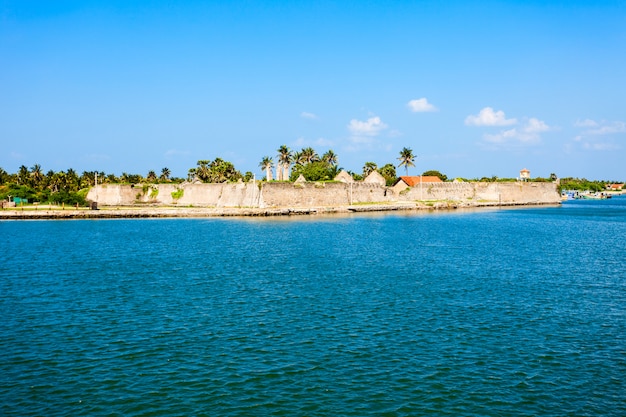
point(599, 136)
point(528, 133)
point(371, 127)
point(535, 126)
point(586, 123)
point(302, 142)
point(307, 115)
point(323, 142)
point(606, 128)
point(501, 137)
point(489, 117)
point(421, 105)
point(600, 146)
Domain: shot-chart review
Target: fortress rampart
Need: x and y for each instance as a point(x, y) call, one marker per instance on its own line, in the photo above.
point(311, 194)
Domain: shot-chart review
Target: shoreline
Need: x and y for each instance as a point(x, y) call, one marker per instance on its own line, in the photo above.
point(135, 212)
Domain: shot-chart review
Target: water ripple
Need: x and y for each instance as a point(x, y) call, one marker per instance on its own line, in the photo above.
point(381, 315)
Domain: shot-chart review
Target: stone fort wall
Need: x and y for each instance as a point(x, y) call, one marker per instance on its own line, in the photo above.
point(285, 194)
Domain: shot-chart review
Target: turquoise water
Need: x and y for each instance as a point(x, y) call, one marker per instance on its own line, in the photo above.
point(486, 313)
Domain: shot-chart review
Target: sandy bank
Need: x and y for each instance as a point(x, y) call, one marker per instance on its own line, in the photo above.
point(199, 212)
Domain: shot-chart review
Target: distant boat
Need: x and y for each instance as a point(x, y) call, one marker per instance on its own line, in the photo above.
point(595, 196)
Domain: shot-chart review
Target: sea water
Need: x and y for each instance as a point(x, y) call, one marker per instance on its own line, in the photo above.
point(494, 312)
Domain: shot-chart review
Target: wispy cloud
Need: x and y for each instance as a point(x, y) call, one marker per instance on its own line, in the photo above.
point(371, 127)
point(303, 142)
point(528, 133)
point(586, 123)
point(599, 136)
point(600, 146)
point(421, 105)
point(601, 128)
point(308, 115)
point(488, 117)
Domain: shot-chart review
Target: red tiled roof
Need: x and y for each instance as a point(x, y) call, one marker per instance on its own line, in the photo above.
point(413, 181)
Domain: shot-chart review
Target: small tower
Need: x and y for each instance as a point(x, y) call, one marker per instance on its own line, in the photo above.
point(524, 175)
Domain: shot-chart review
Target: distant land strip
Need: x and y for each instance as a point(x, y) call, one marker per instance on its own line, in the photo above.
point(30, 213)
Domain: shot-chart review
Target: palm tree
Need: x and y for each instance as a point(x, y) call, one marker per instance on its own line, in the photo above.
point(388, 171)
point(267, 163)
point(87, 179)
point(151, 176)
point(36, 175)
point(203, 172)
point(309, 155)
point(4, 176)
point(368, 168)
point(23, 175)
point(72, 180)
point(285, 158)
point(298, 158)
point(57, 181)
point(191, 174)
point(330, 158)
point(165, 174)
point(406, 158)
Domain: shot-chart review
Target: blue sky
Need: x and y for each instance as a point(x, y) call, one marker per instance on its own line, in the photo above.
point(474, 88)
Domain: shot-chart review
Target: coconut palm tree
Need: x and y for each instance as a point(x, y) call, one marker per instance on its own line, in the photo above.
point(57, 181)
point(267, 163)
point(151, 177)
point(165, 174)
point(23, 175)
point(285, 158)
point(309, 155)
point(36, 175)
point(72, 180)
point(330, 158)
point(298, 158)
point(406, 158)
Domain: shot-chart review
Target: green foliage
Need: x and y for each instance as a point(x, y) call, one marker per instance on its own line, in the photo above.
point(315, 171)
point(70, 198)
point(434, 173)
point(355, 176)
point(583, 184)
point(14, 190)
point(368, 168)
point(216, 171)
point(407, 159)
point(176, 195)
point(389, 173)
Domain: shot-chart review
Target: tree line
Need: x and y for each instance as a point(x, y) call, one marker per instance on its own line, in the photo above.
point(69, 187)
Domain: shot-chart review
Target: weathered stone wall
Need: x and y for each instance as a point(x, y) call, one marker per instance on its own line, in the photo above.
point(283, 194)
point(204, 195)
point(321, 194)
point(485, 192)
